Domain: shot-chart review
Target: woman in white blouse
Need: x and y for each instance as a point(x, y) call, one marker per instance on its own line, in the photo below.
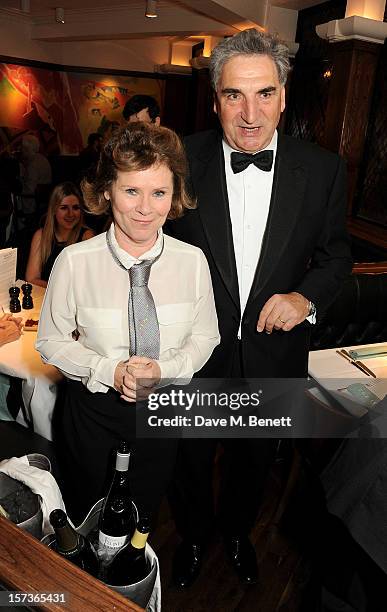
point(140, 180)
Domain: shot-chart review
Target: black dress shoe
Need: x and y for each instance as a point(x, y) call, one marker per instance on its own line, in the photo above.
point(187, 563)
point(242, 556)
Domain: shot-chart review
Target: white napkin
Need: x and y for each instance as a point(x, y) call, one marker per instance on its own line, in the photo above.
point(40, 482)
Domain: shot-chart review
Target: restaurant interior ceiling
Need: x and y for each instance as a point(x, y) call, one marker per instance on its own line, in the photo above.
point(92, 20)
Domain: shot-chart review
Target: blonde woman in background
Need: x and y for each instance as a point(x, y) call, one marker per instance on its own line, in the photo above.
point(63, 226)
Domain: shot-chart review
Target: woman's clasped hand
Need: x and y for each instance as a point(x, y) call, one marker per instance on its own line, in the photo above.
point(136, 378)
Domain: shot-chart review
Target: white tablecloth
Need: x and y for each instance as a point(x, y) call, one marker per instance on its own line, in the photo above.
point(39, 387)
point(329, 364)
point(335, 374)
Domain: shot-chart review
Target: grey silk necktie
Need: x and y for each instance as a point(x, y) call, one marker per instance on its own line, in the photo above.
point(144, 332)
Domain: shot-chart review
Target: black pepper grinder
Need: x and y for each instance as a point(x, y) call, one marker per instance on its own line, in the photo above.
point(14, 303)
point(27, 302)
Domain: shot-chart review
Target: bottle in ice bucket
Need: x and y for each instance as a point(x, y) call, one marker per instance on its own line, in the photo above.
point(130, 564)
point(117, 520)
point(72, 545)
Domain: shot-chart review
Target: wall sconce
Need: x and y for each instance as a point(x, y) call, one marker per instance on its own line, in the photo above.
point(327, 74)
point(59, 15)
point(151, 9)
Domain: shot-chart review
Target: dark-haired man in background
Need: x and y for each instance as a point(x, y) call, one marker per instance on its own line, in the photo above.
point(88, 158)
point(271, 222)
point(142, 108)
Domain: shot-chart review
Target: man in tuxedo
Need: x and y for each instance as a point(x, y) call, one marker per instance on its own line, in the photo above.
point(271, 221)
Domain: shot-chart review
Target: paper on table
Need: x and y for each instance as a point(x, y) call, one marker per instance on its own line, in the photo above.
point(357, 398)
point(372, 356)
point(368, 352)
point(354, 390)
point(367, 393)
point(354, 408)
point(8, 259)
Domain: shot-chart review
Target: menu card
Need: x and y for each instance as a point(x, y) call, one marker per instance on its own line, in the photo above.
point(8, 258)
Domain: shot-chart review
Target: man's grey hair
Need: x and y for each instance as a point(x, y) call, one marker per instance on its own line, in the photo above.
point(249, 42)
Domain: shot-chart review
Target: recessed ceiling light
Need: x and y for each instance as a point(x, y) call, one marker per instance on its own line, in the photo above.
point(151, 9)
point(59, 15)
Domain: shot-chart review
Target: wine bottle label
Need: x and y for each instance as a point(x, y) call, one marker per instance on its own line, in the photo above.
point(111, 544)
point(68, 553)
point(139, 539)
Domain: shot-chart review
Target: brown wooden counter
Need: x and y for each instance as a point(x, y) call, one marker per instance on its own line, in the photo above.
point(26, 565)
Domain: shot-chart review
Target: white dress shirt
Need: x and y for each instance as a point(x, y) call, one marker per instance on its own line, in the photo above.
point(88, 291)
point(249, 195)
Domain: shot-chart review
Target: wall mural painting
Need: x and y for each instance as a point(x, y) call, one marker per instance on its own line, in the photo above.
point(63, 108)
point(100, 101)
point(30, 101)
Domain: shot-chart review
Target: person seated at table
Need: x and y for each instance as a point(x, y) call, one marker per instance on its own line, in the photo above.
point(97, 287)
point(10, 330)
point(63, 226)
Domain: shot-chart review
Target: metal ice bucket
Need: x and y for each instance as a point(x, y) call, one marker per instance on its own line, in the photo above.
point(8, 485)
point(140, 592)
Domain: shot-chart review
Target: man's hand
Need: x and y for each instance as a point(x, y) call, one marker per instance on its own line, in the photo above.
point(10, 330)
point(140, 377)
point(283, 311)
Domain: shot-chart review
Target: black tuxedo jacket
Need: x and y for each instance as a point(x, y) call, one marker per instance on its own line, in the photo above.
point(305, 249)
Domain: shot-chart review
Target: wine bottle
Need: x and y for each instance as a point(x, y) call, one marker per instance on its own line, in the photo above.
point(130, 564)
point(72, 545)
point(117, 520)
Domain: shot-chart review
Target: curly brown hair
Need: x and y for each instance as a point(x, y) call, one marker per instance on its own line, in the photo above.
point(136, 147)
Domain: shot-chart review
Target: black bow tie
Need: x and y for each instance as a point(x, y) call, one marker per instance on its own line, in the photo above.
point(262, 160)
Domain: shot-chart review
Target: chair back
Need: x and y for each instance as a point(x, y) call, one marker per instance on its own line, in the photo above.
point(359, 313)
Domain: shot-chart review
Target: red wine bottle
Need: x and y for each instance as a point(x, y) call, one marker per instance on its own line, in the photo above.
point(117, 520)
point(130, 564)
point(72, 545)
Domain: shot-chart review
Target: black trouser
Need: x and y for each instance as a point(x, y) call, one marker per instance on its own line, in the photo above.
point(87, 430)
point(244, 471)
point(245, 465)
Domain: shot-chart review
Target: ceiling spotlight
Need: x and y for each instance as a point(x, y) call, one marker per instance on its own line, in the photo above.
point(151, 9)
point(59, 15)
